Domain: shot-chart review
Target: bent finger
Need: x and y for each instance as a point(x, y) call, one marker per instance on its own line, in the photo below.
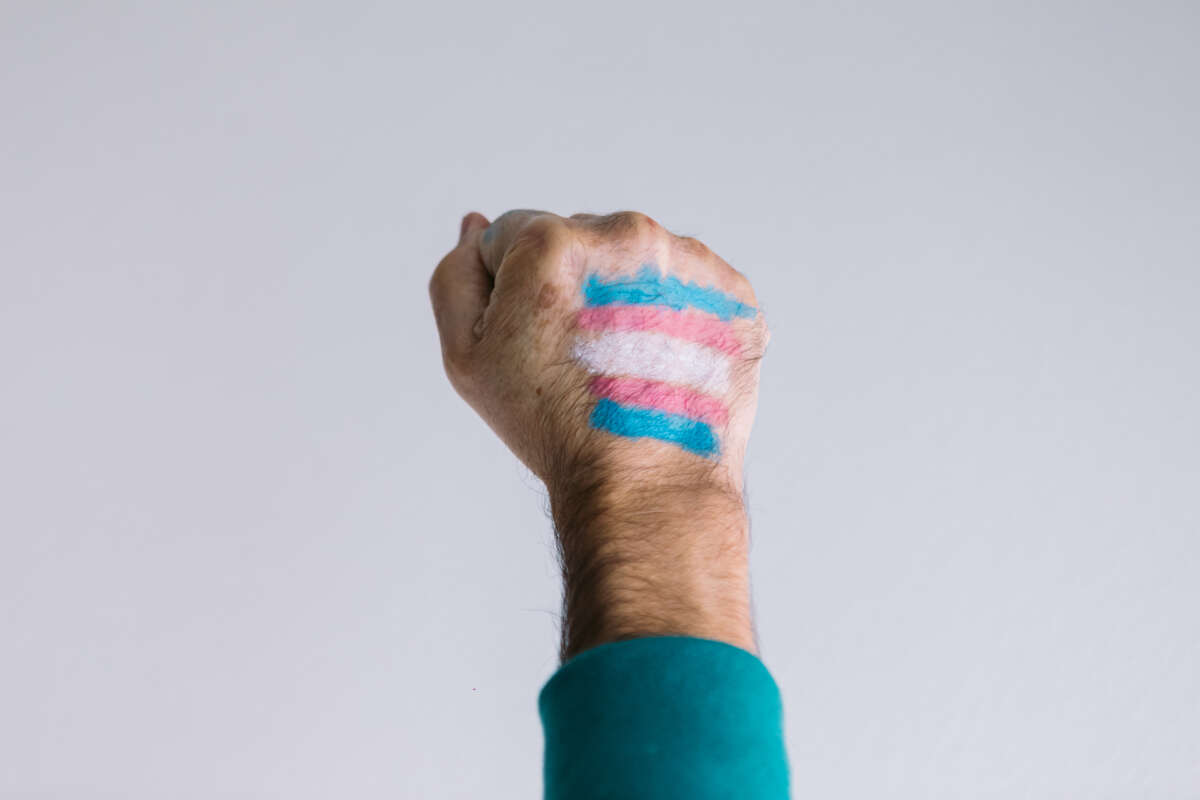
point(460, 289)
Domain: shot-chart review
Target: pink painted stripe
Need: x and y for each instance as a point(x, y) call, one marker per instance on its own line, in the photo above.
point(694, 326)
point(661, 396)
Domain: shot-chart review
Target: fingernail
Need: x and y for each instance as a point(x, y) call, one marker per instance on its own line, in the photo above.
point(462, 229)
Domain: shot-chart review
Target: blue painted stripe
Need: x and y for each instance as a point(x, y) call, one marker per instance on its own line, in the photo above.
point(690, 434)
point(651, 287)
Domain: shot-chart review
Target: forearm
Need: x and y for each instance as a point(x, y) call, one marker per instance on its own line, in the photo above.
point(652, 558)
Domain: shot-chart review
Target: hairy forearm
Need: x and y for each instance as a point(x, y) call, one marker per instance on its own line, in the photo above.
point(652, 558)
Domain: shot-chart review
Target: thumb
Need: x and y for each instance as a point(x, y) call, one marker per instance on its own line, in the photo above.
point(460, 289)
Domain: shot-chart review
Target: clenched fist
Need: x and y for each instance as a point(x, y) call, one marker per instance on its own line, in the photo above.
point(604, 341)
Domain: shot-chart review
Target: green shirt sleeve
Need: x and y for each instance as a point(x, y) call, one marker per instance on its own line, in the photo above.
point(663, 717)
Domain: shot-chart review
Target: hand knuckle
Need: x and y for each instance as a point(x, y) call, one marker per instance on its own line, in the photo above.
point(541, 237)
point(695, 248)
point(631, 224)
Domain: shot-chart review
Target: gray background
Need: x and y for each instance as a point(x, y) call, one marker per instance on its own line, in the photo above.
point(254, 546)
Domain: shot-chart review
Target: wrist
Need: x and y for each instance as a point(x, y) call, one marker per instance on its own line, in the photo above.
point(652, 553)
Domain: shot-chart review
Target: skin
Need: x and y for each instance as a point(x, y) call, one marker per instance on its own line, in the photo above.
point(653, 540)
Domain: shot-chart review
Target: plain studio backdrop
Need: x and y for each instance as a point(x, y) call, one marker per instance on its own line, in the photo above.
point(254, 546)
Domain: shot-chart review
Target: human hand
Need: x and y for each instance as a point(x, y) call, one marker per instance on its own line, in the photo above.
point(558, 331)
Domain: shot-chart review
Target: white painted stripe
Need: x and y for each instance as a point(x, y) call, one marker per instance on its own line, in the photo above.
point(655, 356)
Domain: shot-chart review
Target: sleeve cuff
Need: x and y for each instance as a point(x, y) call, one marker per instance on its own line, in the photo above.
point(663, 717)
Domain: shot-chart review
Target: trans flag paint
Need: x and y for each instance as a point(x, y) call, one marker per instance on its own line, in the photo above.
point(661, 352)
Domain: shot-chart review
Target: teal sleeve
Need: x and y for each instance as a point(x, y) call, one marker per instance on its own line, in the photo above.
point(663, 717)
